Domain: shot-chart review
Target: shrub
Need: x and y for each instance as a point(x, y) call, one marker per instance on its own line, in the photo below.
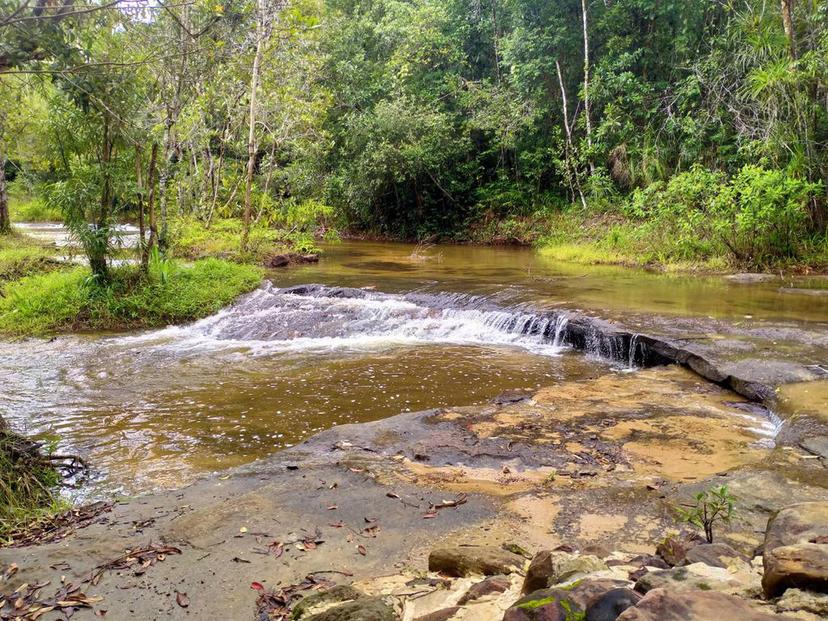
point(762, 215)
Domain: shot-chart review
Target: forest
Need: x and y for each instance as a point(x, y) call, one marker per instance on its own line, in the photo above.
point(653, 132)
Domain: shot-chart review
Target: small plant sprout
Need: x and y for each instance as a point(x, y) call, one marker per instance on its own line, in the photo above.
point(711, 506)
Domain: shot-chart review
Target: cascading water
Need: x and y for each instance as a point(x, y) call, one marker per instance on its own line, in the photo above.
point(322, 319)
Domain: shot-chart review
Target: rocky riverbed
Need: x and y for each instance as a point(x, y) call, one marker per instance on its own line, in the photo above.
point(369, 505)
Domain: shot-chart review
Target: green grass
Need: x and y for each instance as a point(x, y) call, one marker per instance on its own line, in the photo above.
point(25, 208)
point(28, 483)
point(191, 240)
point(70, 300)
point(21, 256)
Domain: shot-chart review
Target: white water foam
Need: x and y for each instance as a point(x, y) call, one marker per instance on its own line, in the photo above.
point(270, 320)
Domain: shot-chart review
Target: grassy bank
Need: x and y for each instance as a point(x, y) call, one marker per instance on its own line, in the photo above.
point(27, 483)
point(70, 300)
point(25, 207)
point(21, 256)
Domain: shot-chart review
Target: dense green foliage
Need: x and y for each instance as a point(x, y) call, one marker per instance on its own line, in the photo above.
point(73, 299)
point(697, 128)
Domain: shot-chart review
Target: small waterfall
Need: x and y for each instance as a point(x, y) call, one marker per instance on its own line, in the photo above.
point(560, 330)
point(633, 347)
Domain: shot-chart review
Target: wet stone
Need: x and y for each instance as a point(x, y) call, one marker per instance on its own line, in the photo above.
point(461, 561)
point(817, 445)
point(561, 603)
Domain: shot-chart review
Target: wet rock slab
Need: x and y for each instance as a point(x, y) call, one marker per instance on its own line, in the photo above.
point(662, 605)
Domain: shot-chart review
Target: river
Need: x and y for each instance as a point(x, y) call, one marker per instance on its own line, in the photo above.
point(439, 326)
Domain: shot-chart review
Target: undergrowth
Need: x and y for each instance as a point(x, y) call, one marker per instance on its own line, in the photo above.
point(28, 483)
point(170, 293)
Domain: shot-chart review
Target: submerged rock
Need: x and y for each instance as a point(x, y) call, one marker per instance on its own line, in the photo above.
point(663, 605)
point(816, 445)
point(461, 561)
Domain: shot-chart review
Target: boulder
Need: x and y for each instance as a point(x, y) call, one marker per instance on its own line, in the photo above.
point(663, 605)
point(549, 568)
point(647, 560)
point(803, 566)
point(816, 445)
point(462, 561)
point(698, 577)
point(796, 549)
point(363, 609)
point(673, 550)
point(796, 599)
point(561, 603)
point(806, 522)
point(608, 606)
point(713, 554)
point(322, 600)
point(492, 584)
point(440, 615)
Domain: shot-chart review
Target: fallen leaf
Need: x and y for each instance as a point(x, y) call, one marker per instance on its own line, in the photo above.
point(361, 549)
point(243, 529)
point(182, 599)
point(339, 524)
point(257, 586)
point(333, 508)
point(430, 515)
point(393, 495)
point(277, 548)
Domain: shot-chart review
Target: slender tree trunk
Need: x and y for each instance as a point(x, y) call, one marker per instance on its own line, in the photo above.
point(787, 22)
point(97, 250)
point(587, 103)
point(572, 170)
point(139, 198)
point(153, 226)
point(251, 132)
point(5, 221)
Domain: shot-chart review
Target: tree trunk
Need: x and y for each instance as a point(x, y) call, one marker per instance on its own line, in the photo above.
point(153, 226)
point(139, 199)
point(587, 103)
point(251, 133)
point(787, 22)
point(5, 222)
point(97, 249)
point(572, 170)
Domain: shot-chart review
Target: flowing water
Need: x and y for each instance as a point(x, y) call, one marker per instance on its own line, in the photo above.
point(442, 326)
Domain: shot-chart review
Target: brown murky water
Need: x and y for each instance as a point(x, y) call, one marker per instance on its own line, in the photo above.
point(154, 410)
